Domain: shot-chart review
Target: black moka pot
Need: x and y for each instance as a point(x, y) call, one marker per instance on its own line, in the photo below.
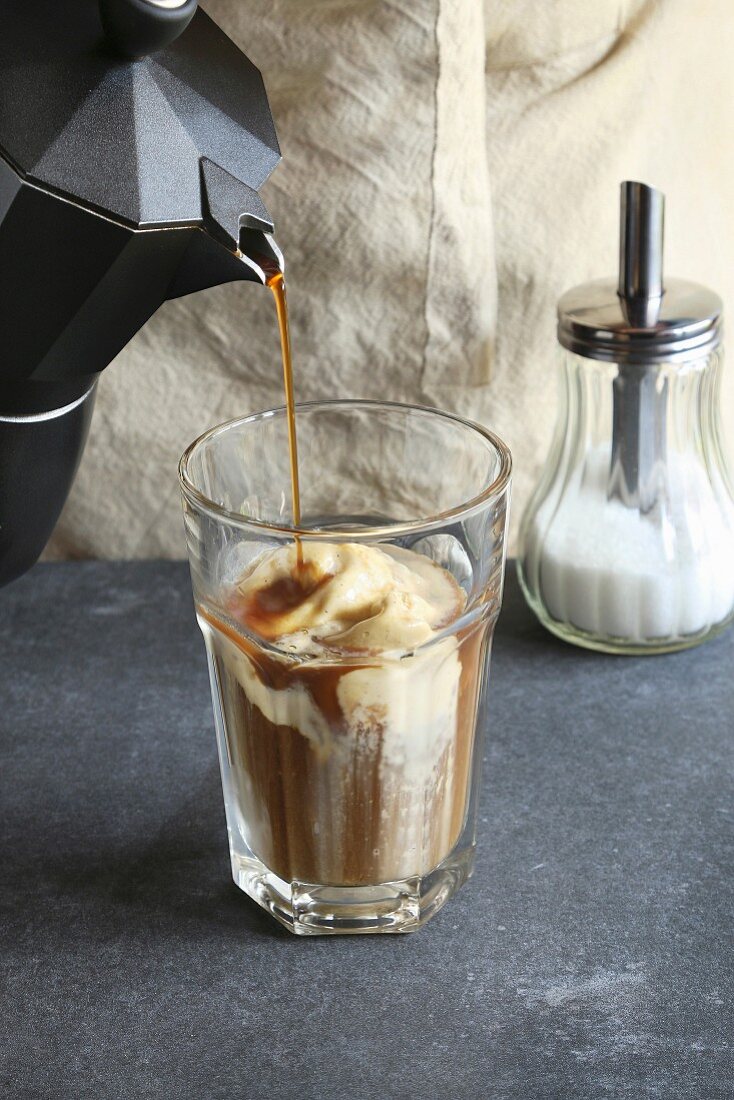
point(134, 136)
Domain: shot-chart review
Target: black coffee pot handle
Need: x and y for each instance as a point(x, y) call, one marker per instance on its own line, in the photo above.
point(139, 27)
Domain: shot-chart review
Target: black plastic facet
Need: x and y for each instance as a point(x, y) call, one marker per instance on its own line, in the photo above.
point(231, 204)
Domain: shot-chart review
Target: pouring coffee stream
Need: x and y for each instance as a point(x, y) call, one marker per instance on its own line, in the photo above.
point(273, 276)
point(276, 283)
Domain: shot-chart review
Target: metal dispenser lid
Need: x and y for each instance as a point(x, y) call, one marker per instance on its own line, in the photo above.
point(141, 110)
point(638, 318)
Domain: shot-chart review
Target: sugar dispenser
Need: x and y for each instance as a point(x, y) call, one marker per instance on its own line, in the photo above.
point(627, 544)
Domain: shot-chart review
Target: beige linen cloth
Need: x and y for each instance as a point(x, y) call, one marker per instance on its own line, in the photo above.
point(450, 167)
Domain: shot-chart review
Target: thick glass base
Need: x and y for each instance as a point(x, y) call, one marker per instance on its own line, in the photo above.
point(623, 646)
point(309, 909)
point(620, 646)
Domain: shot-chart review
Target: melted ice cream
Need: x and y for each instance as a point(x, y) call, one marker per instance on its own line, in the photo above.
point(348, 597)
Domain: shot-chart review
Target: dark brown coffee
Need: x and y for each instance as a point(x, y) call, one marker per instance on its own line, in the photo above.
point(350, 764)
point(351, 801)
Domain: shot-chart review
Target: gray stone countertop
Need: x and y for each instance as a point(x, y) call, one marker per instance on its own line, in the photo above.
point(590, 955)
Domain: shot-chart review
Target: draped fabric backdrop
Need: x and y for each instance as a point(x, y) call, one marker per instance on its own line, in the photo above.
point(450, 167)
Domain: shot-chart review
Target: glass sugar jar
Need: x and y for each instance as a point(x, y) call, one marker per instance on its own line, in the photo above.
point(627, 544)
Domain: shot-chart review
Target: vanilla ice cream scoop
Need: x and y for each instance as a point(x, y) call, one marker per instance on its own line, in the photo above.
point(347, 596)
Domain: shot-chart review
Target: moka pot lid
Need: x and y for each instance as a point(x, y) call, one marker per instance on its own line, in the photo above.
point(149, 141)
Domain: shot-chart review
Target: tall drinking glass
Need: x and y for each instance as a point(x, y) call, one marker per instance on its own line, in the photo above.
point(349, 657)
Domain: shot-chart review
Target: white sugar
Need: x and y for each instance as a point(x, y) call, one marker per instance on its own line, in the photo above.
point(610, 570)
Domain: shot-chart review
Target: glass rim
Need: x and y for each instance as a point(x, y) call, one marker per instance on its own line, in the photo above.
point(493, 490)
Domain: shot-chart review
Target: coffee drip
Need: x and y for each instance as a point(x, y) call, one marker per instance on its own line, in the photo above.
point(275, 281)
